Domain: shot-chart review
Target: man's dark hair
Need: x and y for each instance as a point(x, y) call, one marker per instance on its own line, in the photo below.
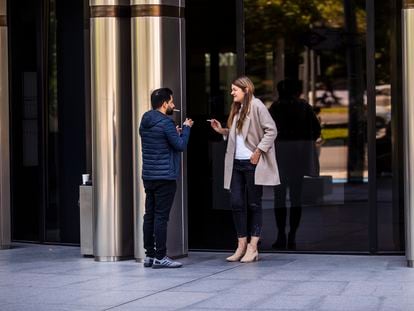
point(159, 96)
point(289, 88)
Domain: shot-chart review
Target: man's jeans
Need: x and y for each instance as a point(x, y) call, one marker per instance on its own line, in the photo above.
point(158, 202)
point(246, 197)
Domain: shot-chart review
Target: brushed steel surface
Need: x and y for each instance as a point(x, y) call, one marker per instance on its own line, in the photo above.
point(158, 55)
point(108, 2)
point(3, 8)
point(5, 225)
point(86, 220)
point(408, 126)
point(110, 11)
point(180, 3)
point(149, 10)
point(408, 4)
point(111, 137)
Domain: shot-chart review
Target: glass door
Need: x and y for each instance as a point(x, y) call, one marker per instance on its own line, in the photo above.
point(347, 73)
point(319, 45)
point(27, 140)
point(47, 118)
point(212, 60)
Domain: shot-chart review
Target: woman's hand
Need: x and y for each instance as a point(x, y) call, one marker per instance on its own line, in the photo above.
point(216, 125)
point(254, 159)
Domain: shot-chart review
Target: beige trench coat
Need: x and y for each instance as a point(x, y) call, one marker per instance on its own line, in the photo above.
point(259, 131)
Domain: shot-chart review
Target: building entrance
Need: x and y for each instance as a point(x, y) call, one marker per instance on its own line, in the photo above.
point(47, 124)
point(344, 59)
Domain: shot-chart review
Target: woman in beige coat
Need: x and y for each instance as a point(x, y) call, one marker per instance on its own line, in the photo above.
point(250, 163)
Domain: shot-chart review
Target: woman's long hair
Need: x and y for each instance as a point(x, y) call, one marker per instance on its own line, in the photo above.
point(248, 88)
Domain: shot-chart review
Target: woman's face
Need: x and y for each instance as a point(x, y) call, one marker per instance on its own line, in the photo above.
point(237, 93)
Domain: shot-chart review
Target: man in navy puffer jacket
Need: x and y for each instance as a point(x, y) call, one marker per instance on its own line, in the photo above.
point(162, 143)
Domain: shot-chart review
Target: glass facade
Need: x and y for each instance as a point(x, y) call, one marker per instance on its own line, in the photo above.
point(345, 54)
point(388, 144)
point(324, 45)
point(47, 101)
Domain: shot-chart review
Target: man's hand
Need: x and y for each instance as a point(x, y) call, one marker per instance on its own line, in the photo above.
point(179, 130)
point(188, 122)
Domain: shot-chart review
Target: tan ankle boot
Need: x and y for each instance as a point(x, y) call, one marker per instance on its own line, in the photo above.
point(240, 251)
point(252, 254)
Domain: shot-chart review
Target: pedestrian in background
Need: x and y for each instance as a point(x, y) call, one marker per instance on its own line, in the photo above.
point(296, 151)
point(250, 163)
point(162, 143)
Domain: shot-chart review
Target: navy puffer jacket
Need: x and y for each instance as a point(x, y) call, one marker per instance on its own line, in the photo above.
point(161, 146)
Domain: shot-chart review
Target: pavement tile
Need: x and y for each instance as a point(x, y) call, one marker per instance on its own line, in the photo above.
point(369, 288)
point(44, 277)
point(249, 271)
point(232, 301)
point(261, 286)
point(55, 296)
point(111, 298)
point(315, 288)
point(155, 284)
point(290, 303)
point(397, 303)
point(291, 275)
point(356, 303)
point(339, 262)
point(340, 275)
point(165, 301)
point(42, 307)
point(41, 280)
point(103, 283)
point(207, 285)
point(401, 275)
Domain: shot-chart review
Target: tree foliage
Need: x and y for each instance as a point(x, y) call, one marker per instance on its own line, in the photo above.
point(267, 19)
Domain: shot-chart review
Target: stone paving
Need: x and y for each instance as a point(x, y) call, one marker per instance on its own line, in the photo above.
point(44, 277)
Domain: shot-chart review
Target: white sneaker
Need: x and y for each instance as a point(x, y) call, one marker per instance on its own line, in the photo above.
point(166, 262)
point(148, 261)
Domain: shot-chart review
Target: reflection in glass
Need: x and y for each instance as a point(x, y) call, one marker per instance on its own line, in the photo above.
point(322, 46)
point(390, 211)
point(321, 43)
point(298, 130)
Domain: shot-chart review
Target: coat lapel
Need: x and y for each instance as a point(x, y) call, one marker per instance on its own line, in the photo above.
point(233, 129)
point(245, 128)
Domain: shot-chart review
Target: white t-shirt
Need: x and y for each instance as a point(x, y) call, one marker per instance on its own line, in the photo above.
point(242, 152)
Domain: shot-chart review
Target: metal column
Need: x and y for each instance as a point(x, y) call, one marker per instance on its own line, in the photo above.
point(5, 226)
point(158, 60)
point(408, 103)
point(111, 129)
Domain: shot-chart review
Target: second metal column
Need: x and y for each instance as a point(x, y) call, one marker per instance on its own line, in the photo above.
point(408, 103)
point(158, 60)
point(111, 129)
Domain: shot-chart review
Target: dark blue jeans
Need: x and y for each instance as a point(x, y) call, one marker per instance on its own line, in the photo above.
point(246, 199)
point(158, 202)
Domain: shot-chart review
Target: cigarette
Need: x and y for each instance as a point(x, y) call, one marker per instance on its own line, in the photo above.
point(209, 120)
point(176, 110)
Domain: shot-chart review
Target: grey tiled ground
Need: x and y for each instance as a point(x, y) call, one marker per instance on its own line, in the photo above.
point(41, 277)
